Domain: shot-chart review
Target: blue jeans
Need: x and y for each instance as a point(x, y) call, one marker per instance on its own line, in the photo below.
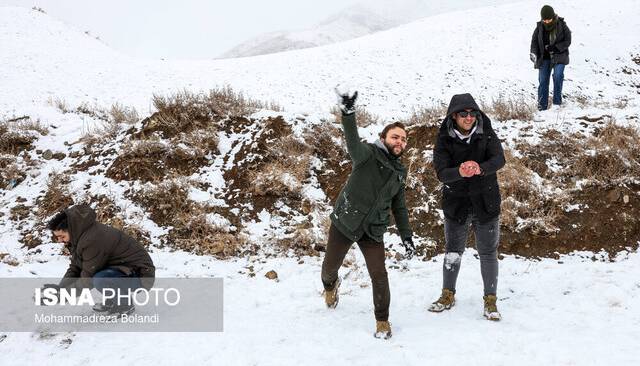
point(115, 279)
point(544, 73)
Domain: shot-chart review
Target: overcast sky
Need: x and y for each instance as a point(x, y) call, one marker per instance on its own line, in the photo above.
point(190, 28)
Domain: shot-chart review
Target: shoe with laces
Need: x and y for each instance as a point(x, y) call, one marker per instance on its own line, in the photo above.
point(445, 302)
point(331, 296)
point(490, 308)
point(383, 329)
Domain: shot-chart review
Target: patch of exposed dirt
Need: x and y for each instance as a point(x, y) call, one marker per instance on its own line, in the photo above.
point(423, 188)
point(154, 162)
point(337, 165)
point(171, 124)
point(12, 142)
point(607, 221)
point(251, 157)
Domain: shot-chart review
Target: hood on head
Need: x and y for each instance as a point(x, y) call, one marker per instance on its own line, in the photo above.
point(460, 102)
point(80, 218)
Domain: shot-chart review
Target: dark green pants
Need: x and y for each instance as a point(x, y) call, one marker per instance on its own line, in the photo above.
point(337, 247)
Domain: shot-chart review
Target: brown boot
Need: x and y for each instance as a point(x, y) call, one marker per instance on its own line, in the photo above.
point(445, 302)
point(331, 296)
point(383, 329)
point(490, 308)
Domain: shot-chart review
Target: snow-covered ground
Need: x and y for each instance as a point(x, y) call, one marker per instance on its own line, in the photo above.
point(568, 312)
point(572, 311)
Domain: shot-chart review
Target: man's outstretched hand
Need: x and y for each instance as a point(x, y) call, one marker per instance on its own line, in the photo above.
point(346, 100)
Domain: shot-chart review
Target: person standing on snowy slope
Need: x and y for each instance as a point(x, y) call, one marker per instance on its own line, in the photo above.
point(466, 157)
point(375, 187)
point(550, 51)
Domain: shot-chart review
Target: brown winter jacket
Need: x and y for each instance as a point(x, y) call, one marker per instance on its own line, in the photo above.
point(95, 246)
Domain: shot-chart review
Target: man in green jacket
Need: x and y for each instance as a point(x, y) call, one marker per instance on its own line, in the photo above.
point(102, 257)
point(375, 187)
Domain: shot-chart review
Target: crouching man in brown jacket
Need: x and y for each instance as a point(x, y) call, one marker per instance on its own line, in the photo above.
point(102, 257)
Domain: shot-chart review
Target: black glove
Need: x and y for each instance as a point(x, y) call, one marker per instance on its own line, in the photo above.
point(46, 286)
point(347, 102)
point(409, 248)
point(533, 57)
point(553, 49)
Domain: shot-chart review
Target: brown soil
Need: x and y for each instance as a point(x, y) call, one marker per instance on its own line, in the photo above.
point(171, 124)
point(13, 142)
point(607, 223)
point(154, 165)
point(337, 164)
point(608, 219)
point(251, 157)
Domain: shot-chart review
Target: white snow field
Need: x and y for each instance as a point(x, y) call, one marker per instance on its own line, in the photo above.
point(482, 51)
point(580, 309)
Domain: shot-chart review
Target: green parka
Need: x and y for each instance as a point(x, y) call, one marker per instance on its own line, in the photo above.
point(376, 187)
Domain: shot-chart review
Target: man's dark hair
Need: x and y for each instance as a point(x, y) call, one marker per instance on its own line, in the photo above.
point(59, 222)
point(383, 134)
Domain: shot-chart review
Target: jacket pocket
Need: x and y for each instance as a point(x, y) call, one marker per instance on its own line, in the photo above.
point(351, 215)
point(492, 199)
point(378, 229)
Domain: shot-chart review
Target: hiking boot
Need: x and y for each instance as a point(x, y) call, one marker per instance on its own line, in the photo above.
point(103, 308)
point(383, 329)
point(445, 302)
point(490, 308)
point(331, 297)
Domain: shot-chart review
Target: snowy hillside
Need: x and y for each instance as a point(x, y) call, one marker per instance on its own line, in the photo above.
point(218, 185)
point(395, 70)
point(349, 23)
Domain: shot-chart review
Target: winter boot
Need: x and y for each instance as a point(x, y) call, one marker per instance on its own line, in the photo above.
point(103, 308)
point(383, 329)
point(490, 308)
point(445, 302)
point(331, 297)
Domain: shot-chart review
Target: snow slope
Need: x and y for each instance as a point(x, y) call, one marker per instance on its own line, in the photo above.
point(350, 23)
point(354, 21)
point(578, 310)
point(395, 70)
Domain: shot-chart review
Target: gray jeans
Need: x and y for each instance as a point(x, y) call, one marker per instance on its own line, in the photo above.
point(487, 239)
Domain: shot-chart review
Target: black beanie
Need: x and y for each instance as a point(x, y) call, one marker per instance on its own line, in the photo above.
point(547, 12)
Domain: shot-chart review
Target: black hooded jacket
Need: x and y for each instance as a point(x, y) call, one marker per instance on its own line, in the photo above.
point(560, 39)
point(479, 193)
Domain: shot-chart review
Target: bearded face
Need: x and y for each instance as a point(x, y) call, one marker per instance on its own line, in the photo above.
point(396, 141)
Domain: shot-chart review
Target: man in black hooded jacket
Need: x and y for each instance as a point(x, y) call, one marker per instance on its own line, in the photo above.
point(466, 157)
point(550, 51)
